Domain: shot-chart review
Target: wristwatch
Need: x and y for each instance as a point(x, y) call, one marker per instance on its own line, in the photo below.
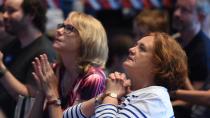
point(56, 102)
point(99, 98)
point(111, 94)
point(2, 72)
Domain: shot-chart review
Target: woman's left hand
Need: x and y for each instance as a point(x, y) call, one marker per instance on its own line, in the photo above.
point(45, 77)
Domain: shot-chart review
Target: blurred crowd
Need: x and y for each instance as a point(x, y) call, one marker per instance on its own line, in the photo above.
point(104, 58)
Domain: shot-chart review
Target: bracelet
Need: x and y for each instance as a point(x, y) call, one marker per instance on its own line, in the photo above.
point(56, 102)
point(2, 72)
point(98, 99)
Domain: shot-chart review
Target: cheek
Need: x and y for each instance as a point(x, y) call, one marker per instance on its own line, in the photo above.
point(72, 44)
point(129, 66)
point(17, 16)
point(142, 63)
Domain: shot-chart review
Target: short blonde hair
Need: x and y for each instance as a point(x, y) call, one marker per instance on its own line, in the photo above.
point(94, 47)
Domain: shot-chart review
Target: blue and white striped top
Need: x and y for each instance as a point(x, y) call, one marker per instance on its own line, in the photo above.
point(150, 102)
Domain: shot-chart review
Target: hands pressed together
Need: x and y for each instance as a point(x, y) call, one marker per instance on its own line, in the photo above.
point(118, 84)
point(45, 77)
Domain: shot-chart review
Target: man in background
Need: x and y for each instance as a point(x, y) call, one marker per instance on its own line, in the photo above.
point(187, 20)
point(5, 38)
point(24, 19)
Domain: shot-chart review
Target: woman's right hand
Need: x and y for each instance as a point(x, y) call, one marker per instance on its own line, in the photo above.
point(45, 77)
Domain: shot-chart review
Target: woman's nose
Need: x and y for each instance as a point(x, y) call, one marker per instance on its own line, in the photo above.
point(60, 31)
point(132, 50)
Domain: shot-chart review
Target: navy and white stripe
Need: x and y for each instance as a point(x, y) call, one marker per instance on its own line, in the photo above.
point(150, 102)
point(73, 112)
point(107, 110)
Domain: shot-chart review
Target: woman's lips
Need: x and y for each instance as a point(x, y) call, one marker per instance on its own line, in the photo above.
point(57, 40)
point(130, 58)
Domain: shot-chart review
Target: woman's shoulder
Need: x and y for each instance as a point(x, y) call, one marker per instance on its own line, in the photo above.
point(94, 73)
point(156, 94)
point(148, 100)
point(149, 90)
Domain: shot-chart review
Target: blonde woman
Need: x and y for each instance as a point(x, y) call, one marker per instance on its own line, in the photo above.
point(81, 42)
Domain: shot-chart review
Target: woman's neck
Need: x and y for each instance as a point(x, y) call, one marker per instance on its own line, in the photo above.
point(70, 63)
point(142, 81)
point(67, 82)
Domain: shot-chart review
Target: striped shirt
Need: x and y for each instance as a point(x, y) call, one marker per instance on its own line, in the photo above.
point(150, 102)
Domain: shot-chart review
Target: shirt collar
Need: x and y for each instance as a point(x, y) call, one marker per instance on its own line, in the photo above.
point(146, 89)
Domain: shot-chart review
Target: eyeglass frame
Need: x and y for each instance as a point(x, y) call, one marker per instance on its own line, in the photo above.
point(67, 28)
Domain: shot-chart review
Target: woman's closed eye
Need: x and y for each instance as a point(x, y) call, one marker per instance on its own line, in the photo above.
point(142, 47)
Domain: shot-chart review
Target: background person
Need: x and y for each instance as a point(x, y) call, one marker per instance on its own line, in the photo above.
point(187, 19)
point(27, 24)
point(150, 21)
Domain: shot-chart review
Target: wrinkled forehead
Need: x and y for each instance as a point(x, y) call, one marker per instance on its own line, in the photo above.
point(147, 41)
point(190, 4)
point(13, 3)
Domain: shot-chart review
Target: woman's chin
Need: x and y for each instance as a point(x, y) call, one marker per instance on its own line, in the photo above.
point(126, 65)
point(57, 47)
